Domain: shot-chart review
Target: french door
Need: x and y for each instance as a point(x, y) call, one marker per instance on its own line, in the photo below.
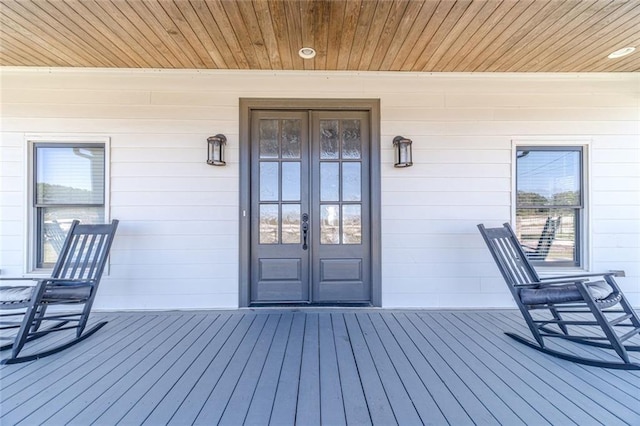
point(310, 205)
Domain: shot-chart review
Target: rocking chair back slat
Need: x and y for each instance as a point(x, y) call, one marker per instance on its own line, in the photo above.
point(84, 257)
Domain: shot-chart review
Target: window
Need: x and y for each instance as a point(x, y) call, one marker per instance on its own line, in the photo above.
point(68, 184)
point(550, 204)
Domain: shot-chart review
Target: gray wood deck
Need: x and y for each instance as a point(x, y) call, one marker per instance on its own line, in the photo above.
point(313, 367)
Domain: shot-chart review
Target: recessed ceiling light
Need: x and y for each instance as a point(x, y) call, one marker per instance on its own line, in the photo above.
point(621, 52)
point(307, 53)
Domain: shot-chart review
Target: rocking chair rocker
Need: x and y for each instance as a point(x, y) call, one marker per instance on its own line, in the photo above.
point(74, 281)
point(574, 294)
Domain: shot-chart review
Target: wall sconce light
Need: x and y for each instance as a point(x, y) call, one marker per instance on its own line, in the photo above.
point(402, 149)
point(215, 155)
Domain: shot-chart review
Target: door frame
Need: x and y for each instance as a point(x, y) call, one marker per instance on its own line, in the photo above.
point(249, 104)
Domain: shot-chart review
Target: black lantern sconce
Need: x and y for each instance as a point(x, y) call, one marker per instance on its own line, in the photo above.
point(402, 150)
point(215, 155)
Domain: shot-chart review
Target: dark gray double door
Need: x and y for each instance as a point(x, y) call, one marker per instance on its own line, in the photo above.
point(310, 201)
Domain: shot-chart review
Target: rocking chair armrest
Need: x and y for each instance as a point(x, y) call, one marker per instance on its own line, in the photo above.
point(583, 276)
point(20, 279)
point(549, 283)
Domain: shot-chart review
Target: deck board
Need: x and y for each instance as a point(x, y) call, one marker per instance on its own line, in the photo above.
point(314, 366)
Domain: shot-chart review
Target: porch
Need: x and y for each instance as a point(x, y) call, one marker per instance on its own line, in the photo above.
point(313, 366)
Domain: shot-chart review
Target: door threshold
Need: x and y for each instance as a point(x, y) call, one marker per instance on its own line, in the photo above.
point(281, 305)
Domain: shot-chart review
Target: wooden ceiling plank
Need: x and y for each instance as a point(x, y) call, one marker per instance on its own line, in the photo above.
point(119, 23)
point(60, 12)
point(403, 29)
point(15, 53)
point(532, 37)
point(294, 30)
point(40, 53)
point(335, 28)
point(375, 34)
point(238, 26)
point(498, 15)
point(257, 42)
point(266, 24)
point(348, 31)
point(416, 47)
point(565, 42)
point(544, 46)
point(390, 30)
point(215, 19)
point(281, 35)
point(456, 13)
point(37, 34)
point(490, 37)
point(416, 27)
point(599, 36)
point(27, 18)
point(594, 57)
point(519, 29)
point(604, 64)
point(176, 29)
point(367, 12)
point(307, 29)
point(321, 17)
point(461, 34)
point(156, 31)
point(210, 48)
point(112, 36)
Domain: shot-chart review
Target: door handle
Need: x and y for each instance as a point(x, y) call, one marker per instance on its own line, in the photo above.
point(305, 229)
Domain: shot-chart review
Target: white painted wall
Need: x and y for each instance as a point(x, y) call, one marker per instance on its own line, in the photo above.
point(177, 246)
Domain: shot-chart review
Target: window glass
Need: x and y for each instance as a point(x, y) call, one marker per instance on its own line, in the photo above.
point(69, 185)
point(549, 205)
point(69, 175)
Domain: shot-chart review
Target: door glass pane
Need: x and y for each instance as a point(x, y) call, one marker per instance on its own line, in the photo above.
point(291, 134)
point(70, 175)
point(330, 224)
point(351, 146)
point(269, 181)
point(329, 139)
point(291, 181)
point(291, 224)
point(351, 185)
point(329, 182)
point(351, 224)
point(269, 139)
point(268, 224)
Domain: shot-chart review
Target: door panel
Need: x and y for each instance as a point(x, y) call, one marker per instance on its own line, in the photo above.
point(340, 176)
point(279, 184)
point(310, 207)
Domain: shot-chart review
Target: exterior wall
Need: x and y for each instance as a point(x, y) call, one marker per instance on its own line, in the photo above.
point(177, 245)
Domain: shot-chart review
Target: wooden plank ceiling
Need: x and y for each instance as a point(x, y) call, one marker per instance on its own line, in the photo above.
point(375, 35)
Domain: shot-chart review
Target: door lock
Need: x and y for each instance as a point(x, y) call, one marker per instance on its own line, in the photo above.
point(305, 229)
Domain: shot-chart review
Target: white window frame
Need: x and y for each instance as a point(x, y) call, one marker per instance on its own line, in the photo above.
point(585, 239)
point(31, 140)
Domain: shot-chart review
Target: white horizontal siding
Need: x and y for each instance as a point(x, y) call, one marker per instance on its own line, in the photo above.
point(177, 246)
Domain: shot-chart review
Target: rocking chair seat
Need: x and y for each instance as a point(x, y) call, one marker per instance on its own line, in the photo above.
point(563, 293)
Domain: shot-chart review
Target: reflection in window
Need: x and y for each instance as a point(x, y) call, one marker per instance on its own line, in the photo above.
point(351, 224)
point(330, 224)
point(269, 224)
